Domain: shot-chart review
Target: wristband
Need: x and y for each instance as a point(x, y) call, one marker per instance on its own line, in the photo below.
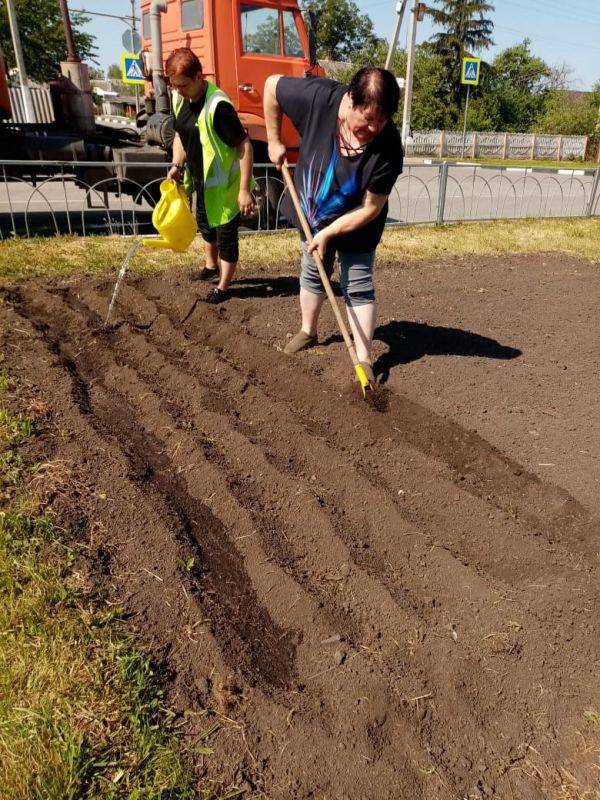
point(178, 167)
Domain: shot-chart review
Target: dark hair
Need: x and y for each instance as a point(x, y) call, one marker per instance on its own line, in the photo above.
point(377, 88)
point(183, 61)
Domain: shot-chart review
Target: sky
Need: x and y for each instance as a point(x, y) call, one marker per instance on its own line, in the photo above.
point(560, 32)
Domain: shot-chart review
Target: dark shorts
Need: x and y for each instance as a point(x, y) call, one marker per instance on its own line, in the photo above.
point(225, 236)
point(356, 275)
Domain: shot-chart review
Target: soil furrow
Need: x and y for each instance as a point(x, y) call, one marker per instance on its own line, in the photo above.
point(481, 469)
point(418, 609)
point(508, 643)
point(116, 418)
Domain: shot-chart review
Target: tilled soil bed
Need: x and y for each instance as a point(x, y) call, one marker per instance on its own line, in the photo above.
point(398, 604)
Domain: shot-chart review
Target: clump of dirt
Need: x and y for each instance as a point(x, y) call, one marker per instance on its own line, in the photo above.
point(389, 602)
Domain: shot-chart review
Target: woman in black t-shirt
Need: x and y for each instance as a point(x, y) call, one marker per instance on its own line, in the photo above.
point(350, 158)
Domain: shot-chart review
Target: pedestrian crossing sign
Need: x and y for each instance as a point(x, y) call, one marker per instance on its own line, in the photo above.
point(470, 70)
point(131, 69)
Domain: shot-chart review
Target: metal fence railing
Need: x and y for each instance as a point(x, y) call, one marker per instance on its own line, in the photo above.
point(54, 197)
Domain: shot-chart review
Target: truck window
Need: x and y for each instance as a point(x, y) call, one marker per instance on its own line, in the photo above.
point(293, 47)
point(260, 29)
point(192, 14)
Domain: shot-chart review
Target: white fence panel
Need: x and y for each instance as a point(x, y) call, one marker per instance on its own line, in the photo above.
point(574, 147)
point(490, 145)
point(497, 144)
point(42, 105)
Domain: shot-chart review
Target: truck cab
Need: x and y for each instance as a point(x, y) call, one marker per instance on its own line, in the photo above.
point(239, 43)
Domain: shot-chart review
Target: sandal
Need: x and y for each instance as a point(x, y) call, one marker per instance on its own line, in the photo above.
point(217, 295)
point(301, 341)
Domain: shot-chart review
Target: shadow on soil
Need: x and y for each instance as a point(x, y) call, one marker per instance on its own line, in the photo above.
point(409, 341)
point(284, 286)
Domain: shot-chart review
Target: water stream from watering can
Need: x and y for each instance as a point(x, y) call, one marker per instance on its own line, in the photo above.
point(126, 261)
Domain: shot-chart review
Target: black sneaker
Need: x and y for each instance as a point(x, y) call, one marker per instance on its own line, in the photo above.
point(217, 295)
point(205, 274)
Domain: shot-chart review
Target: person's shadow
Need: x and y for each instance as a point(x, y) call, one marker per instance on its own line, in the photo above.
point(280, 286)
point(409, 341)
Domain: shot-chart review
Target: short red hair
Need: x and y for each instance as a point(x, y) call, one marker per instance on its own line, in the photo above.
point(183, 61)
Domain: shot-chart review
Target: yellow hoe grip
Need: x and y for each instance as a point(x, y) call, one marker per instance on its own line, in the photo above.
point(364, 381)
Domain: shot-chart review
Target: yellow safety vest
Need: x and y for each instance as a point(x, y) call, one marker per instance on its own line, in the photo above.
point(221, 164)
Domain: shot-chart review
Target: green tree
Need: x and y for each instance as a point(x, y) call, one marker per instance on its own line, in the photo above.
point(465, 30)
point(43, 38)
point(572, 113)
point(342, 30)
point(113, 73)
point(513, 91)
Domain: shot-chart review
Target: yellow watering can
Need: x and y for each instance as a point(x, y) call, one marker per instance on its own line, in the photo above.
point(173, 219)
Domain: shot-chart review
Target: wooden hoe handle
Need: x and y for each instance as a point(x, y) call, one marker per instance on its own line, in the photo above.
point(318, 261)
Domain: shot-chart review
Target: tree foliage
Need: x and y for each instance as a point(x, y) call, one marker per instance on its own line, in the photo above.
point(342, 30)
point(513, 91)
point(114, 72)
point(465, 30)
point(43, 38)
point(572, 113)
point(518, 92)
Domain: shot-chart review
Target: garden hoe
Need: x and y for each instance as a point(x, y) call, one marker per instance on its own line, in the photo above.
point(365, 384)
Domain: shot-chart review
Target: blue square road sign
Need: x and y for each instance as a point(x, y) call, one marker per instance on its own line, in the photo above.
point(470, 70)
point(131, 69)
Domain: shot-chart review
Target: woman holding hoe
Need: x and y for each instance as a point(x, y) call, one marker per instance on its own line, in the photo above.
point(350, 157)
point(213, 155)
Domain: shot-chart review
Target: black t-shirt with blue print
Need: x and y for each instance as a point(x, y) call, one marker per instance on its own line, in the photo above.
point(328, 183)
point(227, 125)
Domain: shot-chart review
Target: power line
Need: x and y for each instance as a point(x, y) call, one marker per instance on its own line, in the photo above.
point(547, 38)
point(557, 13)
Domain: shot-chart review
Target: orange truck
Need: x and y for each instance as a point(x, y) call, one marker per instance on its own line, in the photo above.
point(239, 43)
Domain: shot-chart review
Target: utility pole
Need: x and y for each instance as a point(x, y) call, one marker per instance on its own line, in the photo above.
point(72, 56)
point(23, 79)
point(133, 30)
point(80, 105)
point(400, 6)
point(410, 68)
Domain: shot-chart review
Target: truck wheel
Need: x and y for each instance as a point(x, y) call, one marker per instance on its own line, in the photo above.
point(267, 194)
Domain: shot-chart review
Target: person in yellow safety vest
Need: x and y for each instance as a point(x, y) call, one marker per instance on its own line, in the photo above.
point(212, 154)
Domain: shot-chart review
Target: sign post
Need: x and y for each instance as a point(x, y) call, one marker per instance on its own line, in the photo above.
point(471, 68)
point(133, 44)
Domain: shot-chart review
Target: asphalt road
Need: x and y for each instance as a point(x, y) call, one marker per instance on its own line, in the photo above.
point(472, 193)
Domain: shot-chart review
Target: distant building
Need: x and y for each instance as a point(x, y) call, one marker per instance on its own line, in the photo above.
point(114, 98)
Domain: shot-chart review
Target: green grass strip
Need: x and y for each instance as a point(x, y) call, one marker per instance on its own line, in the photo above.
point(81, 710)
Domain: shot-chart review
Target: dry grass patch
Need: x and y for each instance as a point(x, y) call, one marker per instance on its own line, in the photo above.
point(579, 237)
point(65, 256)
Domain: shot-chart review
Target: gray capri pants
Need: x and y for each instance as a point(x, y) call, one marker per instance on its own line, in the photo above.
point(356, 275)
